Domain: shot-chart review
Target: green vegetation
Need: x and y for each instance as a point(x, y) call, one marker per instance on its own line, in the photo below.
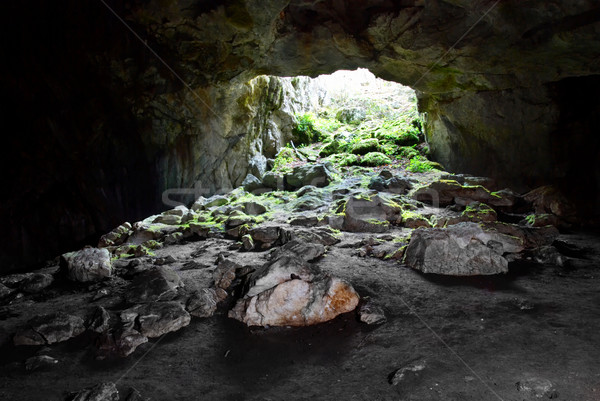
point(305, 131)
point(374, 159)
point(365, 146)
point(284, 159)
point(419, 164)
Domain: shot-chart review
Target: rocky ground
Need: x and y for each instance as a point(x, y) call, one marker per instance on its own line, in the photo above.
point(352, 267)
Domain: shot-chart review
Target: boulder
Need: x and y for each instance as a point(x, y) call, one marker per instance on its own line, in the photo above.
point(370, 214)
point(318, 175)
point(273, 180)
point(178, 211)
point(464, 249)
point(121, 343)
point(168, 219)
point(549, 199)
point(251, 183)
point(157, 284)
point(99, 321)
point(254, 208)
point(88, 264)
point(203, 303)
point(296, 302)
point(49, 329)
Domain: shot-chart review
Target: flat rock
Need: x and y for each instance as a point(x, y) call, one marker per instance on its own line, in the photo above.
point(317, 175)
point(49, 329)
point(464, 249)
point(447, 192)
point(158, 284)
point(88, 264)
point(36, 283)
point(156, 318)
point(121, 343)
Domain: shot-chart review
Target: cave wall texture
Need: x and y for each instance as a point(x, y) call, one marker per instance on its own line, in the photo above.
point(100, 126)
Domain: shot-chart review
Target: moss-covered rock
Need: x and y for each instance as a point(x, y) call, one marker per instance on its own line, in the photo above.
point(375, 159)
point(365, 146)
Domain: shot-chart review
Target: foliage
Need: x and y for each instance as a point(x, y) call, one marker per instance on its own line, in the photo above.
point(420, 165)
point(305, 131)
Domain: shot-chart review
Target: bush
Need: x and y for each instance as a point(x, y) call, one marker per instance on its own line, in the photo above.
point(305, 132)
point(408, 152)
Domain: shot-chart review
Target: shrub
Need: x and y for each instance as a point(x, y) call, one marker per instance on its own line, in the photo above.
point(421, 165)
point(305, 131)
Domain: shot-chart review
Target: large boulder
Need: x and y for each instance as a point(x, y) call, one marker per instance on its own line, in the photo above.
point(318, 175)
point(465, 249)
point(88, 264)
point(370, 214)
point(290, 292)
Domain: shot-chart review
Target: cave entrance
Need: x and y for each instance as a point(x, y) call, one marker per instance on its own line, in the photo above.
point(353, 119)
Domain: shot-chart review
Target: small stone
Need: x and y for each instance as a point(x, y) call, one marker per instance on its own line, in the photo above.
point(401, 374)
point(371, 314)
point(247, 242)
point(99, 392)
point(538, 388)
point(40, 362)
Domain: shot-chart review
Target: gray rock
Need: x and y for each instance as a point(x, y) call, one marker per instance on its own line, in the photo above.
point(179, 211)
point(273, 181)
point(252, 183)
point(40, 362)
point(267, 236)
point(537, 388)
point(370, 214)
point(99, 321)
point(254, 208)
point(88, 264)
point(5, 291)
point(158, 284)
point(371, 314)
point(258, 165)
point(317, 175)
point(36, 283)
point(301, 249)
point(203, 303)
point(351, 115)
point(49, 329)
point(464, 249)
point(247, 242)
point(215, 200)
point(305, 220)
point(310, 201)
point(99, 392)
point(121, 343)
point(116, 237)
point(156, 318)
point(404, 372)
point(168, 219)
point(198, 204)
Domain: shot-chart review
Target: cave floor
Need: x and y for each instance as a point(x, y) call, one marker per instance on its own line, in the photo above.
point(479, 338)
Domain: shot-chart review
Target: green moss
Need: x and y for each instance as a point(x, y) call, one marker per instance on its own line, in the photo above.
point(421, 165)
point(408, 152)
point(366, 146)
point(348, 160)
point(374, 159)
point(284, 159)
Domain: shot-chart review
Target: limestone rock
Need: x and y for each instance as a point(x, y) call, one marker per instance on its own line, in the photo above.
point(297, 303)
point(252, 184)
point(461, 250)
point(158, 284)
point(121, 343)
point(371, 214)
point(99, 392)
point(318, 175)
point(49, 329)
point(278, 271)
point(168, 219)
point(254, 208)
point(116, 237)
point(178, 211)
point(156, 318)
point(203, 303)
point(88, 264)
point(351, 115)
point(371, 314)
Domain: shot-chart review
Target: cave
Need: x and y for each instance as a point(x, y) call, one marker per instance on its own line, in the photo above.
point(173, 196)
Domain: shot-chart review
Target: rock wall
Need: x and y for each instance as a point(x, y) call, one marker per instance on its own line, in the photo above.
point(105, 126)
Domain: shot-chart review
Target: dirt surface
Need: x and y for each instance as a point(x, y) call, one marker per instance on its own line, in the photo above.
point(480, 338)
